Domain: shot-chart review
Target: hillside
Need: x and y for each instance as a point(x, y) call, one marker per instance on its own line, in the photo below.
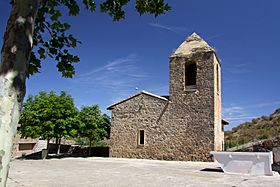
point(264, 127)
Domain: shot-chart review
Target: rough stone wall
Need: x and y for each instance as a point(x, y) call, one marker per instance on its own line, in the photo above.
point(181, 129)
point(39, 145)
point(194, 108)
point(143, 112)
point(265, 145)
point(16, 152)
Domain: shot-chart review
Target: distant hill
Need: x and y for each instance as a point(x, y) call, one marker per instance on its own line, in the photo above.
point(265, 127)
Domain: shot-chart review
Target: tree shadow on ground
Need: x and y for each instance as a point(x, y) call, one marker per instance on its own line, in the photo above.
point(32, 156)
point(73, 152)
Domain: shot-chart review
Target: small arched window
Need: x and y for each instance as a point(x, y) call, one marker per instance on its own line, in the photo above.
point(190, 75)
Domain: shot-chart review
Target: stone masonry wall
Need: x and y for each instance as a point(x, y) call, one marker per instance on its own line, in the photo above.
point(195, 108)
point(139, 113)
point(17, 140)
point(181, 129)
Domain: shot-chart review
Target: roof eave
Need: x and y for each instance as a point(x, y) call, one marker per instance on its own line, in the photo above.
point(225, 122)
point(142, 92)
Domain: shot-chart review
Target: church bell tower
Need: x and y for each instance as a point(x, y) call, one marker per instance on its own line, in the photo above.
point(195, 90)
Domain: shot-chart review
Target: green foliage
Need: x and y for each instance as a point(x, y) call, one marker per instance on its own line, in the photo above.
point(82, 141)
point(49, 116)
point(93, 125)
point(102, 143)
point(265, 127)
point(52, 40)
point(115, 7)
point(155, 7)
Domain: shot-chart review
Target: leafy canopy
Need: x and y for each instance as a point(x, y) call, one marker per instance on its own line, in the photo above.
point(48, 116)
point(51, 38)
point(93, 125)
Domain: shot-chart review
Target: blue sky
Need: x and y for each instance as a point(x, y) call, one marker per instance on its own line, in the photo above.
point(117, 57)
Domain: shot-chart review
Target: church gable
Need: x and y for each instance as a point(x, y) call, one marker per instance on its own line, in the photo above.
point(133, 122)
point(135, 97)
point(140, 105)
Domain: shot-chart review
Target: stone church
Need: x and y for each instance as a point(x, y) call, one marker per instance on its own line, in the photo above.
point(187, 124)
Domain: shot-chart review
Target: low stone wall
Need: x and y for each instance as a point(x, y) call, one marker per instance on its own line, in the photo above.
point(77, 151)
point(70, 151)
point(263, 146)
point(63, 148)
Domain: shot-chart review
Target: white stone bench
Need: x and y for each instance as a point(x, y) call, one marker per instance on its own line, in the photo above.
point(253, 163)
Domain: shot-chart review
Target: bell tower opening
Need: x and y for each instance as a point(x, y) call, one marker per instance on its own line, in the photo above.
point(190, 76)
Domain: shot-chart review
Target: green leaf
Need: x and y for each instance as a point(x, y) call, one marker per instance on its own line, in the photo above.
point(56, 15)
point(90, 5)
point(114, 8)
point(48, 115)
point(53, 50)
point(50, 37)
point(41, 52)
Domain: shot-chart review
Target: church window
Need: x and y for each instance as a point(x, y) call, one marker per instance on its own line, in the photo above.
point(141, 139)
point(190, 75)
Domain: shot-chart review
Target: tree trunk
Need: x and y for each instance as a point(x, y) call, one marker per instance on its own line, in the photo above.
point(89, 150)
point(45, 152)
point(17, 46)
point(58, 146)
point(48, 145)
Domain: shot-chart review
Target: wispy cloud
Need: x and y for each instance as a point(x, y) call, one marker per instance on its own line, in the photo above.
point(168, 27)
point(232, 72)
point(239, 68)
point(266, 104)
point(117, 78)
point(232, 109)
point(213, 37)
point(237, 113)
point(159, 90)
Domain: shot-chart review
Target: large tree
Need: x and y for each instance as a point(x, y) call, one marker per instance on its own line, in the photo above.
point(48, 116)
point(35, 24)
point(93, 125)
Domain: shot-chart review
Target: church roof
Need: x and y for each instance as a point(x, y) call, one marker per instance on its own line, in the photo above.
point(193, 44)
point(142, 92)
point(225, 122)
